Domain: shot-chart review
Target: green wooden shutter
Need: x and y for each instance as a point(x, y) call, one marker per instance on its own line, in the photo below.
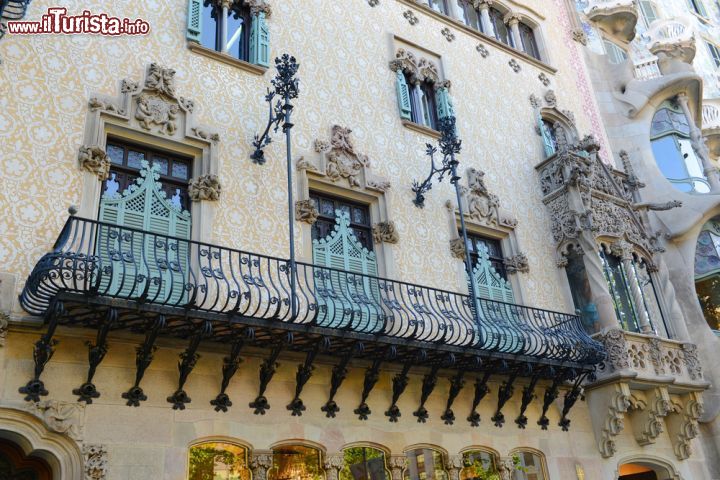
point(137, 258)
point(346, 300)
point(194, 20)
point(548, 144)
point(444, 103)
point(259, 41)
point(403, 95)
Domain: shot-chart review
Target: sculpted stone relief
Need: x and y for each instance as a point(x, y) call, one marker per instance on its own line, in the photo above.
point(95, 160)
point(96, 459)
point(61, 417)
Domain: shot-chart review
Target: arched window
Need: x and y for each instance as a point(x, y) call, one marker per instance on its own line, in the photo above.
point(530, 465)
point(501, 30)
point(529, 43)
point(479, 465)
point(218, 461)
point(364, 463)
point(425, 464)
point(673, 150)
point(296, 462)
point(470, 16)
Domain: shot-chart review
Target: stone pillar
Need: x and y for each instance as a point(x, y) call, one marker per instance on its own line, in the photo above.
point(661, 277)
point(485, 18)
point(333, 465)
point(698, 143)
point(397, 465)
point(506, 468)
point(454, 465)
point(623, 250)
point(260, 462)
point(513, 21)
point(598, 283)
point(226, 4)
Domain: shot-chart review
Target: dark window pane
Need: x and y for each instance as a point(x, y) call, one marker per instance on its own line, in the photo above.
point(135, 159)
point(116, 154)
point(162, 164)
point(358, 215)
point(180, 170)
point(327, 208)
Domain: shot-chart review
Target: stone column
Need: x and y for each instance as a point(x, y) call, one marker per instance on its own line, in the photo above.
point(260, 462)
point(397, 464)
point(506, 468)
point(599, 290)
point(485, 17)
point(698, 143)
point(333, 465)
point(513, 21)
point(454, 465)
point(223, 23)
point(623, 250)
point(661, 277)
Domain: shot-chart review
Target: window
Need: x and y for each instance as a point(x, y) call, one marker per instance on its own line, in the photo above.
point(697, 7)
point(479, 465)
point(714, 53)
point(296, 462)
point(439, 6)
point(529, 44)
point(359, 215)
point(501, 31)
point(231, 30)
point(531, 466)
point(673, 150)
point(423, 106)
point(470, 16)
point(218, 461)
point(480, 244)
point(425, 464)
point(616, 54)
point(547, 132)
point(707, 271)
point(648, 12)
point(364, 463)
point(126, 162)
point(489, 269)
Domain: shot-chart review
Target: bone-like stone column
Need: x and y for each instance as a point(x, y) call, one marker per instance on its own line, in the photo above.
point(698, 143)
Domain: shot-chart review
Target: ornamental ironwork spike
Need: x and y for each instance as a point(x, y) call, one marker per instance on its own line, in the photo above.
point(267, 371)
point(372, 375)
point(339, 373)
point(428, 385)
point(456, 384)
point(231, 364)
point(96, 353)
point(505, 393)
point(42, 353)
point(286, 87)
point(143, 359)
point(449, 146)
point(188, 360)
point(571, 397)
point(481, 389)
point(304, 372)
point(551, 393)
point(527, 397)
point(399, 384)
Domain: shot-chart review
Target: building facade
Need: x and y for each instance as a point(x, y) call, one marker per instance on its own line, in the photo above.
point(157, 322)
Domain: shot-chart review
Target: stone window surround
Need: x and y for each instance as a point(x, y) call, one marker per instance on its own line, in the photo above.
point(528, 18)
point(312, 176)
point(116, 117)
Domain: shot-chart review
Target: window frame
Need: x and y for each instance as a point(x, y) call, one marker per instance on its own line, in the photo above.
point(318, 449)
point(414, 449)
point(615, 52)
point(238, 11)
point(354, 226)
point(364, 445)
point(494, 455)
point(246, 447)
point(528, 31)
point(537, 454)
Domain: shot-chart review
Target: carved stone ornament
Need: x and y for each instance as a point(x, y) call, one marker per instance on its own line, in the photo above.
point(340, 161)
point(448, 34)
point(153, 111)
point(482, 206)
point(517, 263)
point(617, 349)
point(161, 80)
point(61, 417)
point(457, 249)
point(550, 98)
point(534, 101)
point(205, 187)
point(617, 402)
point(514, 65)
point(333, 464)
point(506, 468)
point(4, 324)
point(373, 3)
point(385, 232)
point(260, 463)
point(580, 36)
point(397, 464)
point(482, 49)
point(544, 79)
point(96, 461)
point(692, 362)
point(94, 160)
point(306, 211)
point(411, 17)
point(259, 6)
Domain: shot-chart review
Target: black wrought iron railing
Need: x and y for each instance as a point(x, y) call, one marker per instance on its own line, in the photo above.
point(103, 260)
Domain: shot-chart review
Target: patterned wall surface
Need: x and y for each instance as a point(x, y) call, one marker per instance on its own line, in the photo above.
point(343, 47)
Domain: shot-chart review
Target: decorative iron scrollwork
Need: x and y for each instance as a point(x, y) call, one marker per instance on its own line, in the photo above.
point(87, 391)
point(143, 358)
point(230, 366)
point(42, 353)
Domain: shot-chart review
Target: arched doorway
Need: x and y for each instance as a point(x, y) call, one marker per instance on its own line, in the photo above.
point(646, 469)
point(15, 465)
point(635, 471)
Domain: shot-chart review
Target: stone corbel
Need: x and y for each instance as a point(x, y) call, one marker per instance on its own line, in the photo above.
point(260, 463)
point(305, 211)
point(94, 159)
point(649, 409)
point(333, 465)
point(517, 263)
point(385, 232)
point(608, 405)
point(397, 464)
point(682, 422)
point(205, 187)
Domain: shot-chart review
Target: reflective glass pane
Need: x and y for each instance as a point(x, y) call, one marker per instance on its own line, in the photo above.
point(651, 304)
point(668, 157)
point(135, 159)
point(180, 170)
point(218, 461)
point(679, 122)
point(208, 37)
point(116, 154)
point(363, 463)
point(295, 462)
point(620, 291)
point(479, 465)
point(327, 207)
point(581, 293)
point(529, 467)
point(358, 215)
point(470, 15)
point(425, 464)
point(236, 33)
point(162, 164)
point(661, 122)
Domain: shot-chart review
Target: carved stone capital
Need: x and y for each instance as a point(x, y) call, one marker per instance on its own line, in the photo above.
point(397, 463)
point(260, 463)
point(305, 211)
point(453, 465)
point(259, 6)
point(385, 232)
point(205, 187)
point(457, 249)
point(94, 159)
point(96, 461)
point(517, 263)
point(506, 468)
point(333, 465)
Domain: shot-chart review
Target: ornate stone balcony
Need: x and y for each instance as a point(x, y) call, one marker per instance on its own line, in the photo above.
point(711, 125)
point(616, 17)
point(672, 40)
point(652, 382)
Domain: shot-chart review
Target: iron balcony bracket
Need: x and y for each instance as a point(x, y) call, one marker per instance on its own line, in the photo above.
point(428, 385)
point(456, 384)
point(399, 384)
point(571, 397)
point(230, 366)
point(551, 393)
point(505, 393)
point(481, 389)
point(188, 360)
point(339, 373)
point(267, 371)
point(42, 353)
point(372, 375)
point(527, 397)
point(143, 359)
point(96, 353)
point(304, 372)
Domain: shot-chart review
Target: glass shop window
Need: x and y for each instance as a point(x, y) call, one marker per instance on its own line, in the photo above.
point(296, 462)
point(531, 466)
point(479, 465)
point(425, 464)
point(218, 461)
point(364, 463)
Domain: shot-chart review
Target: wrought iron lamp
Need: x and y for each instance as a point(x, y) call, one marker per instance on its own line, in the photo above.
point(450, 145)
point(285, 86)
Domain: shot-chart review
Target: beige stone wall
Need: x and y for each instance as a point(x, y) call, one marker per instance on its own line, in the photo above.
point(343, 48)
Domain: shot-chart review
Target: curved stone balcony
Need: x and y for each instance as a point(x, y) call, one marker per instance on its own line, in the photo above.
point(672, 40)
point(711, 125)
point(615, 17)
